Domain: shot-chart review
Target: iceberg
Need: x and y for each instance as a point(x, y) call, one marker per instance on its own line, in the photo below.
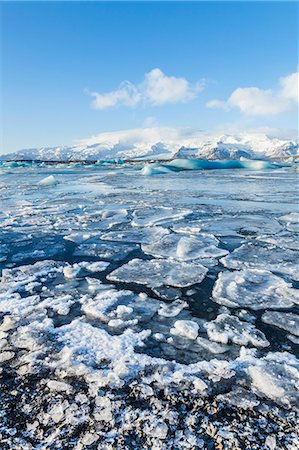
point(204, 164)
point(48, 181)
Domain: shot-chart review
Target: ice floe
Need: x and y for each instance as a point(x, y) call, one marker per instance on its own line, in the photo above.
point(228, 328)
point(254, 289)
point(155, 273)
point(269, 257)
point(286, 321)
point(186, 248)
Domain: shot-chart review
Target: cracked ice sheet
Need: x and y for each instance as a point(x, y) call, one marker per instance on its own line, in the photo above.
point(269, 257)
point(155, 273)
point(254, 289)
point(286, 321)
point(185, 248)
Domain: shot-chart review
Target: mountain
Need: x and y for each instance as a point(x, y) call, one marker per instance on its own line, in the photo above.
point(164, 143)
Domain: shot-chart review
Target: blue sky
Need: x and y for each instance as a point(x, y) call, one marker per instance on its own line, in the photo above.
point(206, 56)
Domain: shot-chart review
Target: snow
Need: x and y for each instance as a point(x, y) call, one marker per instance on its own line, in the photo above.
point(157, 143)
point(255, 289)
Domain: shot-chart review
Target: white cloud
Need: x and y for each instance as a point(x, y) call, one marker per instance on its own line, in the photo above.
point(156, 89)
point(253, 101)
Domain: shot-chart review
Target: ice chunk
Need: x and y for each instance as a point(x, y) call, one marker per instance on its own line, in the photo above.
point(285, 321)
point(292, 221)
point(86, 347)
point(283, 240)
point(227, 328)
point(185, 328)
point(240, 225)
point(173, 309)
point(48, 181)
point(105, 250)
point(145, 236)
point(184, 248)
point(212, 346)
point(239, 397)
point(157, 216)
point(255, 289)
point(274, 259)
point(155, 273)
point(276, 377)
point(110, 305)
point(79, 270)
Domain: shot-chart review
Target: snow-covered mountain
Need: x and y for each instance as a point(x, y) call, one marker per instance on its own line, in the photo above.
point(164, 143)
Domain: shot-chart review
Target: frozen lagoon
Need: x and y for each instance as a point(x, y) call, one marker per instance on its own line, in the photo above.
point(148, 312)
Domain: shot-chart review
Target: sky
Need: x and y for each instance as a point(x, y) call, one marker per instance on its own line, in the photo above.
point(75, 69)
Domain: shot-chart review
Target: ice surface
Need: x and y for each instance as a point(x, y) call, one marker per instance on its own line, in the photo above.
point(241, 225)
point(79, 270)
point(173, 309)
point(276, 377)
point(155, 273)
point(185, 328)
point(285, 321)
point(269, 257)
point(157, 216)
point(145, 236)
point(110, 251)
point(186, 248)
point(254, 289)
point(228, 328)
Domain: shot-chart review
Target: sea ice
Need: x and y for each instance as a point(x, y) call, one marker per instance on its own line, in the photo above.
point(276, 376)
point(255, 289)
point(79, 270)
point(172, 309)
point(185, 248)
point(228, 328)
point(285, 321)
point(144, 236)
point(155, 273)
point(269, 257)
point(121, 305)
point(157, 216)
point(185, 328)
point(240, 225)
point(105, 250)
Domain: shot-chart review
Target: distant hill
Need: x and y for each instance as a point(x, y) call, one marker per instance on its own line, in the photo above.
point(164, 143)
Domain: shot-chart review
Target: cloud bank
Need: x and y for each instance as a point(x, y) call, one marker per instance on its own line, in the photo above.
point(253, 101)
point(156, 89)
